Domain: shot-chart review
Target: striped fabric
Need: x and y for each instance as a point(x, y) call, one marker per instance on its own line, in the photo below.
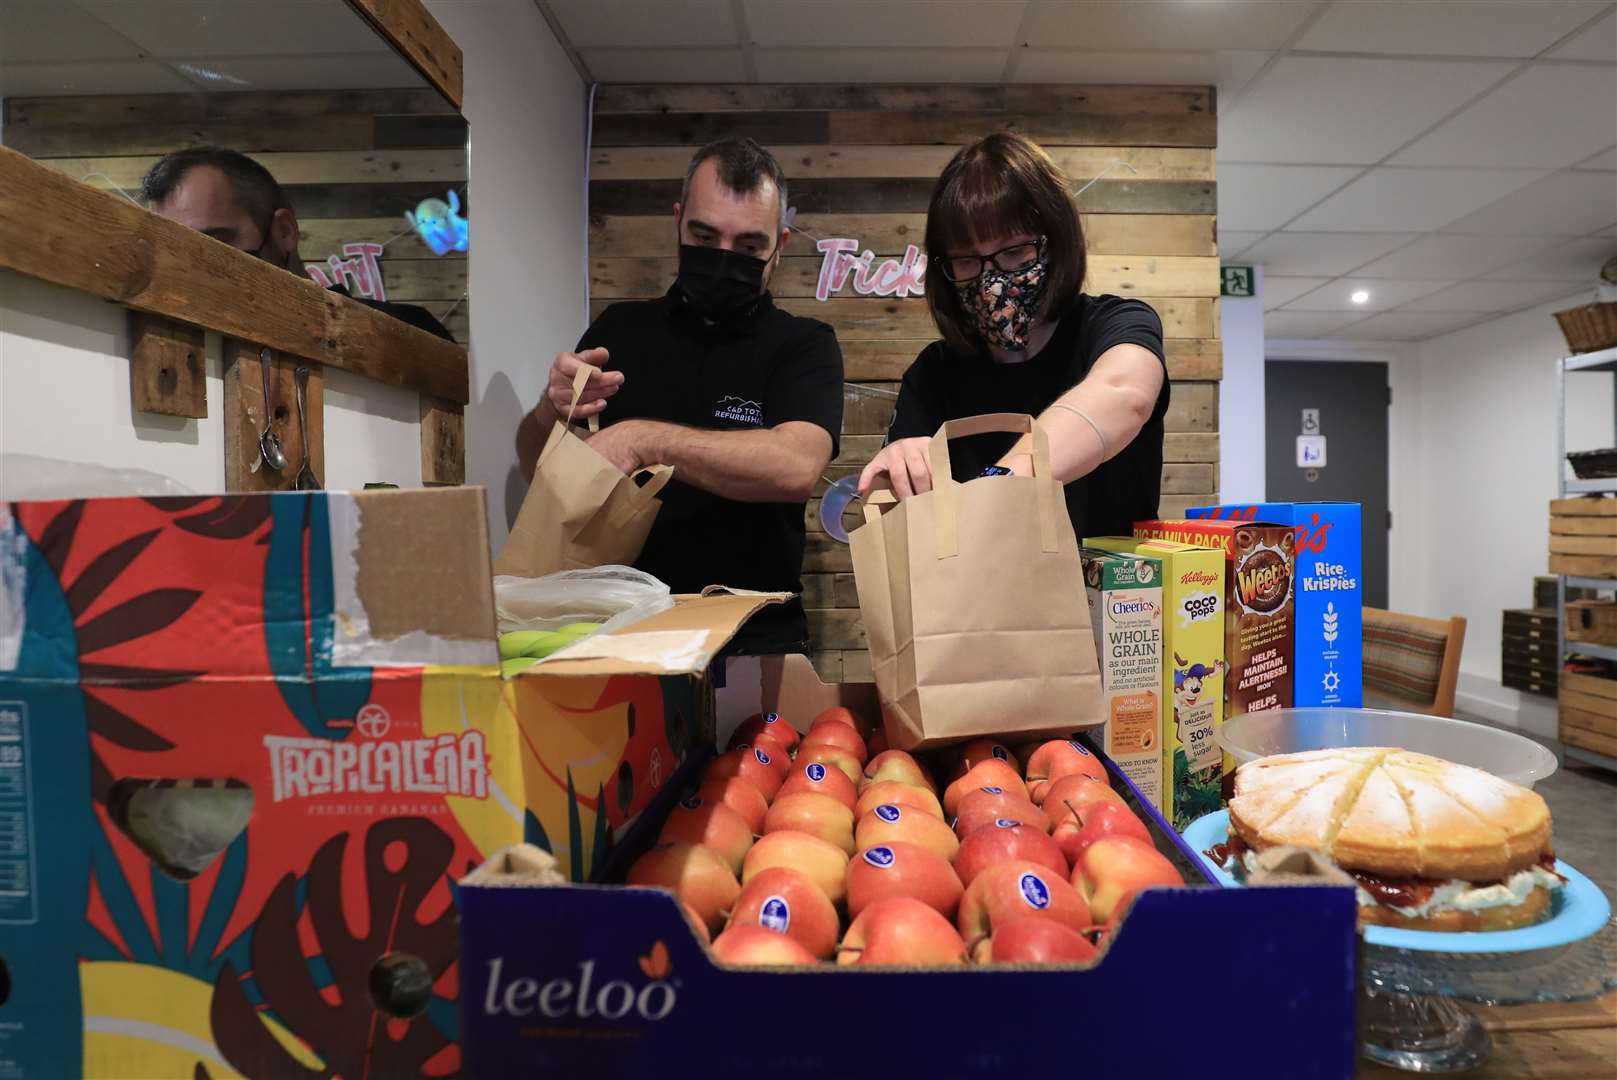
point(1401, 662)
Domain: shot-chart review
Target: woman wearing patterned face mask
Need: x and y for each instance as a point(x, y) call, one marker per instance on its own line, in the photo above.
point(1004, 284)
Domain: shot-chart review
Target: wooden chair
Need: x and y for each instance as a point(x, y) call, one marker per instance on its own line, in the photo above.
point(1410, 663)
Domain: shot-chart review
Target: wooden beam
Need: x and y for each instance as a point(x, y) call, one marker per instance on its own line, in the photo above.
point(245, 414)
point(416, 34)
point(168, 370)
point(934, 97)
point(444, 167)
point(113, 110)
point(61, 231)
point(1079, 163)
point(443, 442)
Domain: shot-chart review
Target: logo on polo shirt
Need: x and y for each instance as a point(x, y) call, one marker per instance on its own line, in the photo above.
point(739, 411)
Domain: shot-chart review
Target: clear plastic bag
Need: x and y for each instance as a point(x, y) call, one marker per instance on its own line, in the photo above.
point(24, 477)
point(617, 595)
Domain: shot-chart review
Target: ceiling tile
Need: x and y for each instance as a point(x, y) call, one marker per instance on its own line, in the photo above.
point(1599, 42)
point(1336, 110)
point(1230, 71)
point(1268, 196)
point(1565, 204)
point(1492, 297)
point(646, 22)
point(1606, 159)
point(1304, 324)
point(1412, 200)
point(102, 77)
point(665, 65)
point(1552, 115)
point(1575, 261)
point(1451, 28)
point(1279, 291)
point(1165, 24)
point(1232, 242)
point(1384, 294)
point(878, 65)
point(1443, 256)
point(49, 31)
point(365, 71)
point(908, 24)
point(168, 28)
point(1304, 254)
point(1408, 325)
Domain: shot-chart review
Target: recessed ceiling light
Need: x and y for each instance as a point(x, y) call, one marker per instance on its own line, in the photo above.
point(1360, 296)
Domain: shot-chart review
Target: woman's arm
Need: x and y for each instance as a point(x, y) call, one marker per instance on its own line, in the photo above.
point(1118, 394)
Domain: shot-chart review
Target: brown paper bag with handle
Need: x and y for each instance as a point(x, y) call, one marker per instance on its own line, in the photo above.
point(580, 511)
point(974, 606)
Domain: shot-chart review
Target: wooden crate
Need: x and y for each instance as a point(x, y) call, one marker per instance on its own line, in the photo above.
point(1588, 712)
point(1585, 545)
point(1595, 566)
point(1592, 621)
point(1585, 506)
point(1590, 525)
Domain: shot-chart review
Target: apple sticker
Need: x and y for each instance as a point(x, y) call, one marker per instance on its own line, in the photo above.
point(815, 772)
point(888, 812)
point(1006, 823)
point(775, 914)
point(1035, 893)
point(763, 758)
point(1074, 744)
point(691, 803)
point(993, 790)
point(770, 718)
point(882, 858)
point(1000, 752)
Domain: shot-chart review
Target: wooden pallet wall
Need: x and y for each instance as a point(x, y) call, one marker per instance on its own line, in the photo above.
point(860, 162)
point(351, 161)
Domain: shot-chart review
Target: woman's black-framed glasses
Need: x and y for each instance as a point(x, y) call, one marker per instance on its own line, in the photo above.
point(964, 268)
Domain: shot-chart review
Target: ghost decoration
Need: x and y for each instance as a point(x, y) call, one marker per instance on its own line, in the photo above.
point(441, 226)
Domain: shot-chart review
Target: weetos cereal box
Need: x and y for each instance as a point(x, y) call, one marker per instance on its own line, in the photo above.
point(1125, 608)
point(1258, 606)
point(1330, 596)
point(1192, 671)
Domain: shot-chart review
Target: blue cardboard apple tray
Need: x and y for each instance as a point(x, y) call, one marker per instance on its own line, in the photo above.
point(601, 980)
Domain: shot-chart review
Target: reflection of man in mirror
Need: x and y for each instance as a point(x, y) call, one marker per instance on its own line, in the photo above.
point(743, 399)
point(234, 199)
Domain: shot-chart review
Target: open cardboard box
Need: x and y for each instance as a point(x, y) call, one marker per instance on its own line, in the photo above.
point(603, 979)
point(307, 685)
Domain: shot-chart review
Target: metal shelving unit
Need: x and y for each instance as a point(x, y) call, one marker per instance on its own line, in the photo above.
point(1604, 360)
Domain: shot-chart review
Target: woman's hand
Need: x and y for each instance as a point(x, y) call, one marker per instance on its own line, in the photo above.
point(906, 465)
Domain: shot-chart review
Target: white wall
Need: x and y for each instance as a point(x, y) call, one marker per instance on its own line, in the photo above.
point(64, 393)
point(1242, 469)
point(1488, 412)
point(526, 107)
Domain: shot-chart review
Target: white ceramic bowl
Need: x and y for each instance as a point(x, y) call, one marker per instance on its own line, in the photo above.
point(1285, 731)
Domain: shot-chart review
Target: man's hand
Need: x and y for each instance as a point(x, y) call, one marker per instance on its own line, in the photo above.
point(906, 464)
point(602, 384)
point(623, 445)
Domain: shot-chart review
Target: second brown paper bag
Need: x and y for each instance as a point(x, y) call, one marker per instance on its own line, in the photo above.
point(580, 511)
point(973, 601)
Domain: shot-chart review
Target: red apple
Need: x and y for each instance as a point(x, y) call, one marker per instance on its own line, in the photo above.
point(817, 815)
point(750, 764)
point(836, 733)
point(1058, 758)
point(992, 773)
point(811, 751)
point(896, 765)
point(740, 795)
point(692, 873)
point(779, 756)
point(1075, 834)
point(980, 750)
point(1075, 792)
point(901, 930)
point(1114, 869)
point(785, 901)
point(1017, 890)
point(826, 865)
point(749, 944)
point(900, 869)
point(844, 716)
point(1010, 842)
point(891, 822)
point(988, 805)
point(711, 824)
point(1035, 941)
point(898, 793)
point(820, 779)
point(765, 722)
point(877, 743)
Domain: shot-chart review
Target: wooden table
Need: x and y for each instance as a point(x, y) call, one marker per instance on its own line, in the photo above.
point(1540, 1042)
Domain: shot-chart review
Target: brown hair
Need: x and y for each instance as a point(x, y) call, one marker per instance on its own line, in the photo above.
point(1001, 184)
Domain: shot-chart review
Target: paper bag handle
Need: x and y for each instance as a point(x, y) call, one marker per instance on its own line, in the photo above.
point(946, 489)
point(636, 498)
point(581, 379)
point(877, 502)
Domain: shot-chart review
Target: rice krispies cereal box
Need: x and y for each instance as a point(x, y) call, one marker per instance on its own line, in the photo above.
point(1193, 672)
point(1125, 609)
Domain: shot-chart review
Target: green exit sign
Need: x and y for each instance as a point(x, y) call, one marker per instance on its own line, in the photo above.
point(1237, 281)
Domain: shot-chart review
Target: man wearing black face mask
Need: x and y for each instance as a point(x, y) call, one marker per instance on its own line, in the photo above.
point(741, 398)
